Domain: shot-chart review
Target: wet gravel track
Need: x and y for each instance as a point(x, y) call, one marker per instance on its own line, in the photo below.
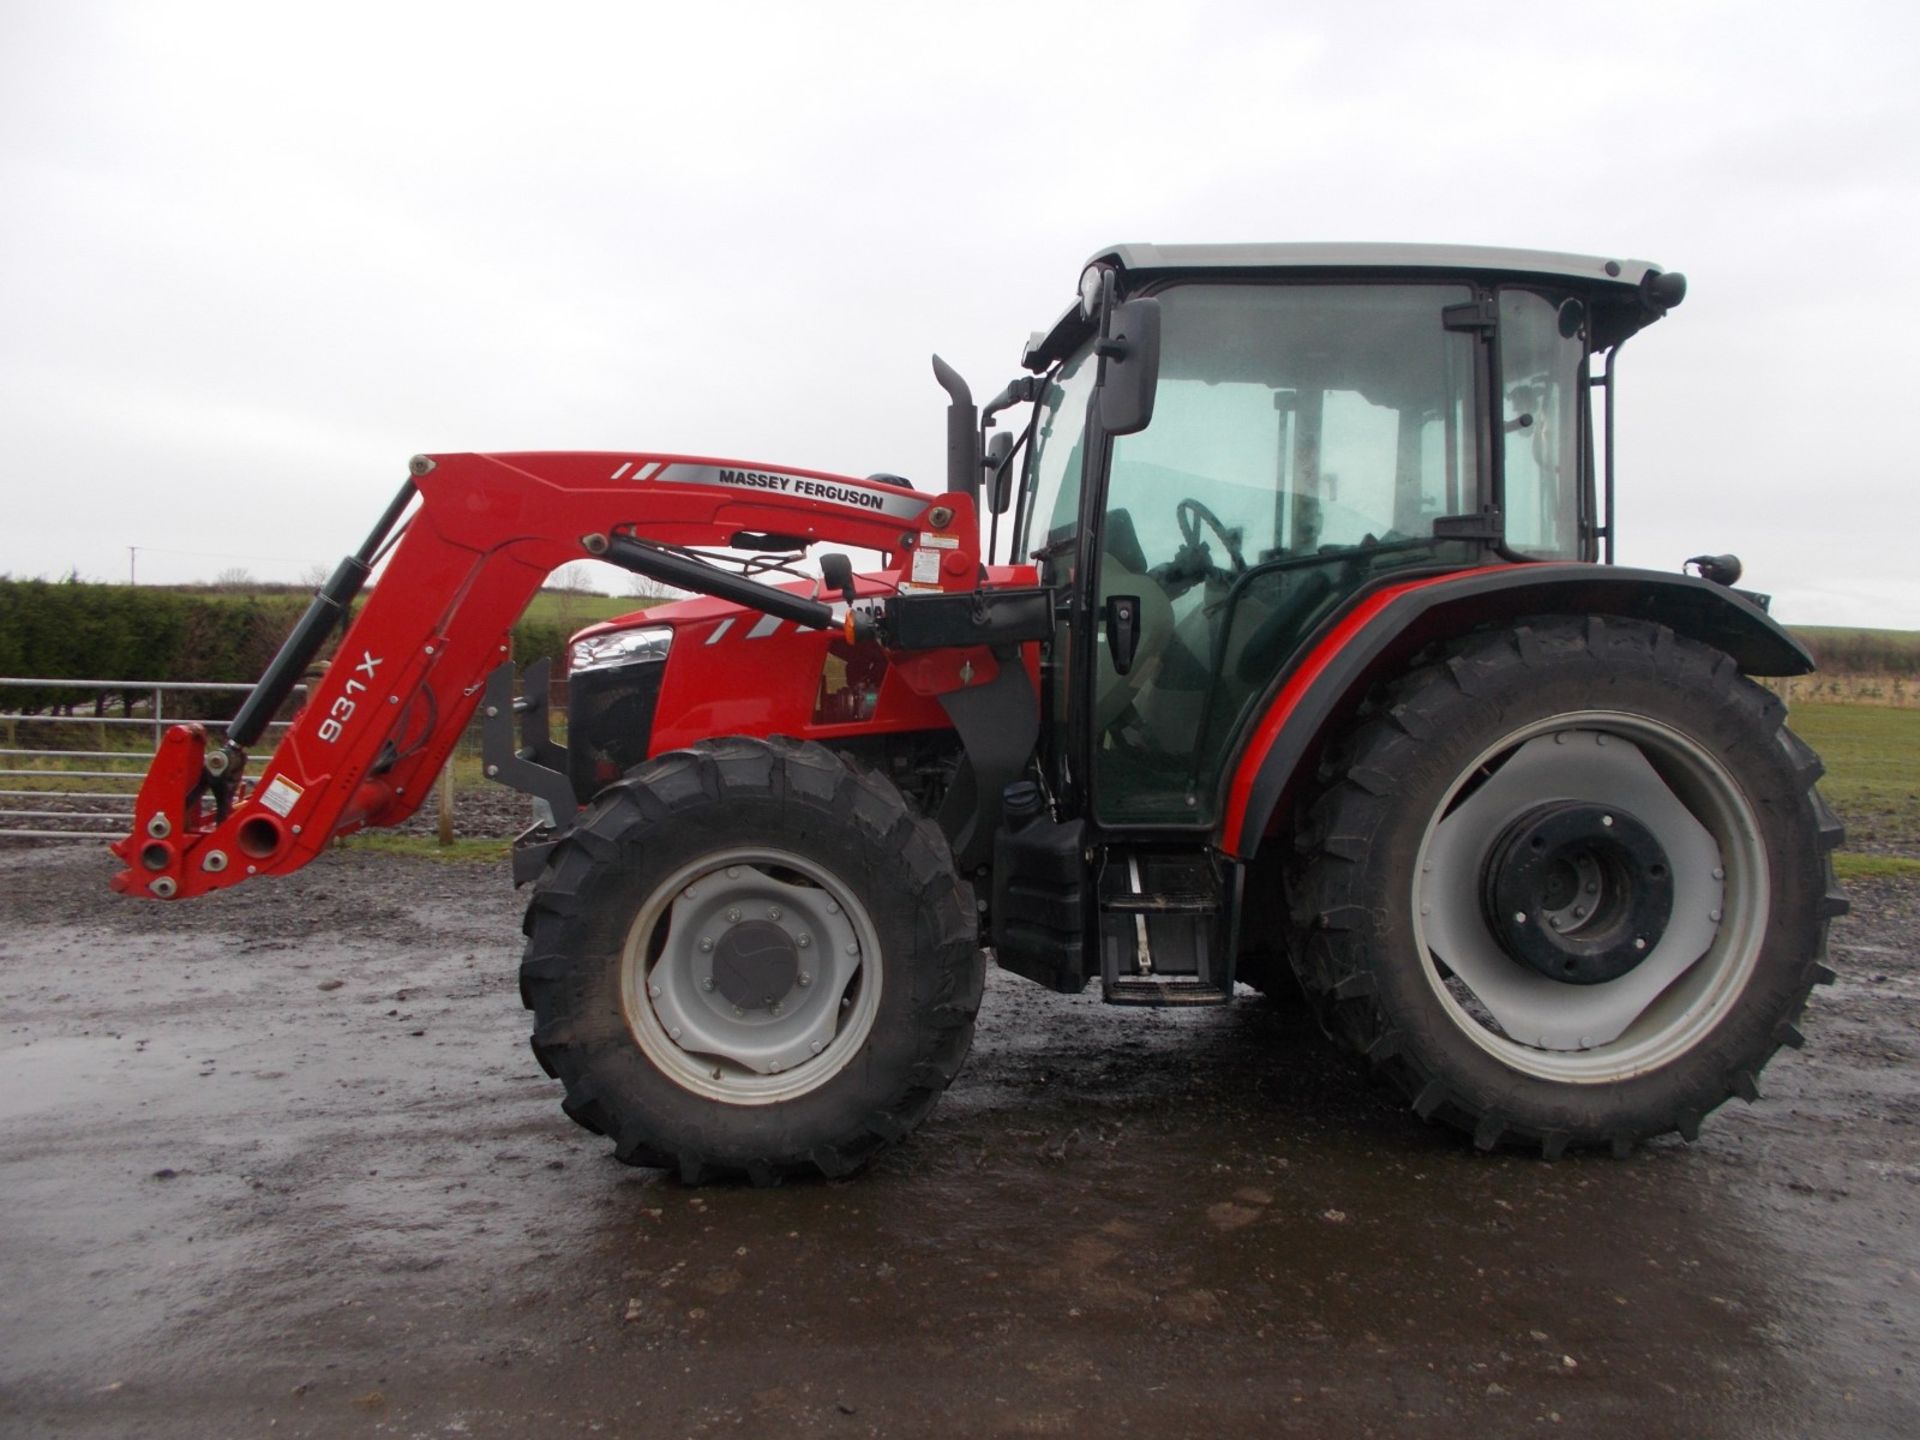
point(279, 1161)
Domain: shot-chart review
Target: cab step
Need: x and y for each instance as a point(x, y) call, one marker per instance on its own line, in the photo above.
point(1163, 990)
point(1166, 925)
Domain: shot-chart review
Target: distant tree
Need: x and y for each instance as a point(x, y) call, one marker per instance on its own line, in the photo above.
point(314, 576)
point(642, 587)
point(235, 577)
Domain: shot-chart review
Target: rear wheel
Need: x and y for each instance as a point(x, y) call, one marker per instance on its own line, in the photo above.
point(751, 958)
point(1569, 887)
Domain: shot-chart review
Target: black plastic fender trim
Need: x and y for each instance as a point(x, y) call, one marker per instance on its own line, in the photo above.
point(1454, 604)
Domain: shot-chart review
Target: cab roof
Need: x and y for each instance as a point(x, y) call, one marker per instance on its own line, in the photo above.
point(1322, 256)
point(1624, 293)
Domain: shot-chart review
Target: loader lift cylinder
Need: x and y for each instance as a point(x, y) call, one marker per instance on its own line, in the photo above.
point(327, 607)
point(691, 574)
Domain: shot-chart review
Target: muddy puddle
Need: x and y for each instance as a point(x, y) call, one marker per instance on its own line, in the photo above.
point(280, 1161)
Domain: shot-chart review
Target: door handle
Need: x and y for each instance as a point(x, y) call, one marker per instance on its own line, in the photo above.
point(1123, 630)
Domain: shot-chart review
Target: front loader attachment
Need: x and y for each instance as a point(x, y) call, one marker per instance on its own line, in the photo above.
point(411, 669)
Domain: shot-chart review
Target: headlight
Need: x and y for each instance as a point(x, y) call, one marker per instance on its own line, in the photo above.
point(620, 647)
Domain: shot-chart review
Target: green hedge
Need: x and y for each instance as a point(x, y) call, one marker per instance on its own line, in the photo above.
point(76, 631)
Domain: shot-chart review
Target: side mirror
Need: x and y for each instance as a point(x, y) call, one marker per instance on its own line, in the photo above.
point(1131, 375)
point(999, 473)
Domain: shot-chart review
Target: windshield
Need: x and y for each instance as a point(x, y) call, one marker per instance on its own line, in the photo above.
point(1053, 460)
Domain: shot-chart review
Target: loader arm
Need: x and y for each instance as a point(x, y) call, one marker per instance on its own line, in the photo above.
point(405, 680)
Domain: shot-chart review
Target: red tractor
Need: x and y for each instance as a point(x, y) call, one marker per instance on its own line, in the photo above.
point(1305, 653)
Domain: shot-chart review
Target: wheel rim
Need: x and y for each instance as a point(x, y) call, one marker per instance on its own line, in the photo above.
point(1698, 959)
point(751, 976)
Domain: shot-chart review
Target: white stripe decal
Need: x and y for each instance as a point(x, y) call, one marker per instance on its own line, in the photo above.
point(768, 624)
point(719, 630)
point(622, 470)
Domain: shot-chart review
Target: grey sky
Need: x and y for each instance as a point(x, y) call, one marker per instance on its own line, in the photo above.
point(255, 256)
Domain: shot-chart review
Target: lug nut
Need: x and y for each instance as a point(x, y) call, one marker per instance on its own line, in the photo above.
point(853, 947)
point(1519, 917)
point(817, 1046)
point(674, 1032)
point(691, 893)
point(733, 872)
point(707, 984)
point(832, 908)
point(803, 941)
point(774, 912)
point(1606, 820)
point(805, 979)
point(706, 943)
point(654, 990)
point(733, 914)
point(1714, 915)
point(1639, 942)
point(774, 1008)
point(738, 1011)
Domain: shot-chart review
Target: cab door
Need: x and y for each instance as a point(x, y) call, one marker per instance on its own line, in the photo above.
point(1304, 439)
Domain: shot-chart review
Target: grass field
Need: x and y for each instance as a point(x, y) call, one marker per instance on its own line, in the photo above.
point(1872, 754)
point(565, 607)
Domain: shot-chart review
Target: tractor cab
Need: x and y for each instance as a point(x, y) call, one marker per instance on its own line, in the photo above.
point(1293, 426)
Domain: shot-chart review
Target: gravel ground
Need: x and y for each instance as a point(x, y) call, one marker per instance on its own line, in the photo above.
point(280, 1160)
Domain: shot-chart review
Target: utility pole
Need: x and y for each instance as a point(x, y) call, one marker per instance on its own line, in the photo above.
point(133, 552)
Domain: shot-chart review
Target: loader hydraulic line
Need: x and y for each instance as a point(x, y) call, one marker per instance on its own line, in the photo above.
point(410, 671)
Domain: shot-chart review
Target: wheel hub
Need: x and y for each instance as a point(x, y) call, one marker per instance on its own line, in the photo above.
point(755, 964)
point(1580, 892)
point(750, 965)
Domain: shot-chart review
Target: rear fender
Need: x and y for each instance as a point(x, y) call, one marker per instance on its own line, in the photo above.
point(1380, 632)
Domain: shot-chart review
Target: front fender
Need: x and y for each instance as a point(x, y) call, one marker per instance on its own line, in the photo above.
point(1377, 635)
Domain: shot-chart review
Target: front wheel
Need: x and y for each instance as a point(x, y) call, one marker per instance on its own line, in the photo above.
point(1569, 887)
point(751, 958)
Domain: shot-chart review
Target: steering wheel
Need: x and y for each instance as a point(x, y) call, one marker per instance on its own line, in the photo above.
point(1190, 515)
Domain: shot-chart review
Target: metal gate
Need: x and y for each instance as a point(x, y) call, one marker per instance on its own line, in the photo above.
point(54, 793)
